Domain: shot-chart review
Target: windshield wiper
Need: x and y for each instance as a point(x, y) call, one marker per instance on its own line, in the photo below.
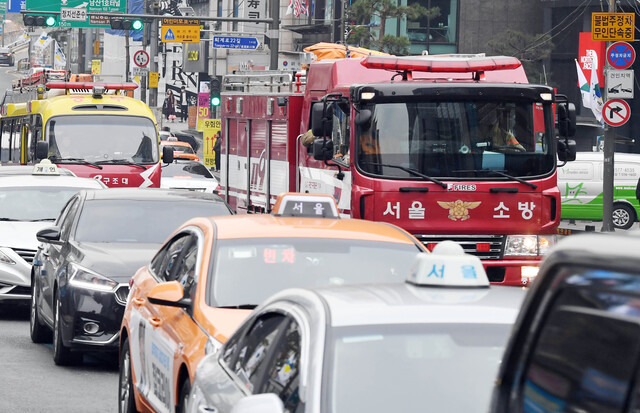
point(55, 159)
point(239, 307)
point(493, 171)
point(9, 219)
point(409, 171)
point(42, 219)
point(121, 162)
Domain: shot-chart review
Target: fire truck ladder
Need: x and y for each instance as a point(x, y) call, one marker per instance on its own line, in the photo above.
point(266, 81)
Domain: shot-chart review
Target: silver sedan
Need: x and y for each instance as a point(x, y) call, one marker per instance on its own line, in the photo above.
point(373, 348)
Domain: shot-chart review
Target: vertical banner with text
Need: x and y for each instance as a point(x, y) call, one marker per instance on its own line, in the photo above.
point(203, 110)
point(211, 133)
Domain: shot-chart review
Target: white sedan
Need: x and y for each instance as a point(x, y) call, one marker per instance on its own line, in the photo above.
point(188, 175)
point(29, 203)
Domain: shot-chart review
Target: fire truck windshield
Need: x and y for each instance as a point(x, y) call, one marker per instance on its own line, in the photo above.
point(100, 138)
point(457, 140)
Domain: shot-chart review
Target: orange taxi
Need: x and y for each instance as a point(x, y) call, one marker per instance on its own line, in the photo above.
point(181, 150)
point(212, 271)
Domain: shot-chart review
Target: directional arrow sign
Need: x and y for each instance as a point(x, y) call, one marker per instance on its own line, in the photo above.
point(106, 6)
point(232, 42)
point(616, 112)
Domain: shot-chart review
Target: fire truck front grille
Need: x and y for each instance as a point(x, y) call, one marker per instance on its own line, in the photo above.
point(485, 247)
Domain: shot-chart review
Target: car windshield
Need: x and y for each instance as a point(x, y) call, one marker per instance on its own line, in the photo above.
point(33, 203)
point(269, 265)
point(191, 169)
point(456, 139)
point(396, 368)
point(139, 221)
point(5, 50)
point(97, 138)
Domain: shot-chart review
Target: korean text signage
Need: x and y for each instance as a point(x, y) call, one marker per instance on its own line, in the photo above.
point(203, 110)
point(620, 84)
point(211, 133)
point(616, 112)
point(80, 18)
point(230, 42)
point(621, 55)
point(613, 26)
point(177, 30)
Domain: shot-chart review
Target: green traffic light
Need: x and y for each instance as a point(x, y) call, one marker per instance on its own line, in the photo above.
point(215, 101)
point(136, 25)
point(51, 21)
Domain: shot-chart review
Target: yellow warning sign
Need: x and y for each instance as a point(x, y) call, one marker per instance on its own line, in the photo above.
point(210, 136)
point(153, 80)
point(95, 67)
point(613, 26)
point(176, 30)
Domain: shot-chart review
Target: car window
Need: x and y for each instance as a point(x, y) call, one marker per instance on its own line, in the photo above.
point(571, 366)
point(283, 374)
point(165, 261)
point(301, 263)
point(254, 349)
point(67, 222)
point(185, 267)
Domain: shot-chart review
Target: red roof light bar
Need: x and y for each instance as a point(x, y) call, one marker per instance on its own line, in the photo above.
point(90, 85)
point(436, 64)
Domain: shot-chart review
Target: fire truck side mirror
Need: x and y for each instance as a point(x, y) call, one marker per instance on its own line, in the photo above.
point(321, 120)
point(566, 150)
point(167, 155)
point(566, 119)
point(42, 150)
point(322, 149)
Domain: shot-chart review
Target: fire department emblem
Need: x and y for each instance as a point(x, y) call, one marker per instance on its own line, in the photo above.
point(459, 210)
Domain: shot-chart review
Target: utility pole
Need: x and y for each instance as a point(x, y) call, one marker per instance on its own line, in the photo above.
point(609, 150)
point(145, 43)
point(127, 58)
point(274, 34)
point(153, 54)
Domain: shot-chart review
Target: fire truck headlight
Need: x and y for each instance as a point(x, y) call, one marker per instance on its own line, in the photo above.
point(528, 245)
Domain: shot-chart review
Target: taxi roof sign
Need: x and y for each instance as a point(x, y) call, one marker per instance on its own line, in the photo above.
point(45, 167)
point(448, 266)
point(294, 204)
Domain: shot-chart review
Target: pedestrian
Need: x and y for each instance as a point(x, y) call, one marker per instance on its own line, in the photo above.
point(169, 106)
point(216, 150)
point(184, 105)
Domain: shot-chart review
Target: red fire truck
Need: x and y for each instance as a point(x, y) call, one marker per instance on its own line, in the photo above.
point(452, 147)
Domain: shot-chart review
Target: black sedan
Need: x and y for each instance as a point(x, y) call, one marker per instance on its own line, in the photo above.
point(81, 274)
point(6, 56)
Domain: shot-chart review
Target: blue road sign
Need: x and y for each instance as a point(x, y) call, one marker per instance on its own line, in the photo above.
point(621, 55)
point(169, 35)
point(231, 42)
point(14, 6)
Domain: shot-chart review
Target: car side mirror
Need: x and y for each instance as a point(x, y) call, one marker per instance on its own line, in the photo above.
point(169, 293)
point(42, 150)
point(259, 403)
point(49, 235)
point(167, 155)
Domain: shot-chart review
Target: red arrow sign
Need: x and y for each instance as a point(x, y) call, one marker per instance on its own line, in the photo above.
point(616, 112)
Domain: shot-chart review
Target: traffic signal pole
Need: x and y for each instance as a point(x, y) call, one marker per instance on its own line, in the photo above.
point(608, 152)
point(154, 38)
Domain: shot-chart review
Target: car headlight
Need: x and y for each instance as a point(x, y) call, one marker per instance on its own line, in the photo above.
point(528, 245)
point(4, 259)
point(85, 278)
